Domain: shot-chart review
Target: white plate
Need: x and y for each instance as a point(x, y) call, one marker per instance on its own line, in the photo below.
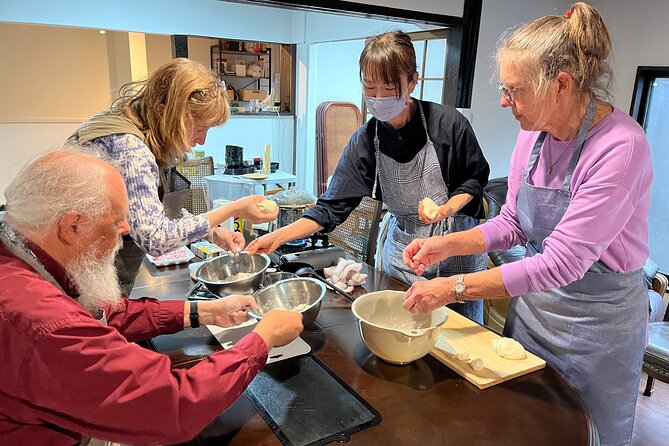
point(255, 176)
point(228, 337)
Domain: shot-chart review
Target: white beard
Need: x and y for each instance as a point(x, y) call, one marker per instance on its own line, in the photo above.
point(96, 280)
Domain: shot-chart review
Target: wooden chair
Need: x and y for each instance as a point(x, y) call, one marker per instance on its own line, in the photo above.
point(656, 355)
point(357, 235)
point(195, 171)
point(335, 123)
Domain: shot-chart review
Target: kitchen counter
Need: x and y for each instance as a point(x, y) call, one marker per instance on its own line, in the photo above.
point(422, 403)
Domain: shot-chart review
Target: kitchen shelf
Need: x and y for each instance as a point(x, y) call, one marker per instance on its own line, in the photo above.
point(243, 53)
point(224, 61)
point(276, 74)
point(234, 75)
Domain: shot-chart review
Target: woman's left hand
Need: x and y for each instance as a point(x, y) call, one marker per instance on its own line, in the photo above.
point(445, 211)
point(425, 296)
point(228, 240)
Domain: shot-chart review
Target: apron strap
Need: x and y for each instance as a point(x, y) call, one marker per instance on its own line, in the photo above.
point(580, 140)
point(10, 239)
point(534, 156)
point(376, 157)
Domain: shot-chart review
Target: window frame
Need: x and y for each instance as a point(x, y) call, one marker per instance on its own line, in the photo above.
point(645, 76)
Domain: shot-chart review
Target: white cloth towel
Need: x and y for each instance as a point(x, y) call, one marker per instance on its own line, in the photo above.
point(345, 274)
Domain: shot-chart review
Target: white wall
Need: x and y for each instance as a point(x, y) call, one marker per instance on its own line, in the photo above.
point(495, 128)
point(332, 76)
point(47, 92)
point(638, 30)
point(328, 28)
point(158, 50)
point(252, 133)
point(20, 142)
point(640, 34)
point(43, 74)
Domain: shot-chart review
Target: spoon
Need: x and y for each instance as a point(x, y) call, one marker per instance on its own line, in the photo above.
point(234, 256)
point(308, 271)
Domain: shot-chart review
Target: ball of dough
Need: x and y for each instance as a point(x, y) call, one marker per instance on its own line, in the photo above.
point(476, 364)
point(430, 208)
point(462, 355)
point(508, 348)
point(266, 206)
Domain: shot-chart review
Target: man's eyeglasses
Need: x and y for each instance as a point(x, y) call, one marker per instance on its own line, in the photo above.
point(507, 93)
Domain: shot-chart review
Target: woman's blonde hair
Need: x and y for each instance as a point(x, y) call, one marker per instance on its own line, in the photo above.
point(577, 43)
point(170, 103)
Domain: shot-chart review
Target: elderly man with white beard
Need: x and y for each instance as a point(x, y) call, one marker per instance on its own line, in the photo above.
point(69, 368)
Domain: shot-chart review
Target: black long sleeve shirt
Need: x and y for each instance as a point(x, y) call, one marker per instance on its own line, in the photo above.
point(463, 166)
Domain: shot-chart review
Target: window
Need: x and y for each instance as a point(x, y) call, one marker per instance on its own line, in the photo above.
point(650, 107)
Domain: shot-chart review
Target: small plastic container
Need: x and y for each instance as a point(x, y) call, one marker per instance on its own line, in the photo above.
point(230, 187)
point(206, 250)
point(181, 255)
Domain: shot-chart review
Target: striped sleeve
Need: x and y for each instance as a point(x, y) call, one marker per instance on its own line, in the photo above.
point(149, 226)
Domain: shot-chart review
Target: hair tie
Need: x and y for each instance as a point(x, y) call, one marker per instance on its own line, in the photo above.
point(568, 14)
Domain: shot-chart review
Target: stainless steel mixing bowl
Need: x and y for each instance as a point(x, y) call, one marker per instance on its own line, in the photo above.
point(214, 273)
point(289, 294)
point(271, 278)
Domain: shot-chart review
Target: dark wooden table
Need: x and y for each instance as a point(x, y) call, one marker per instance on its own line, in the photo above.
point(423, 403)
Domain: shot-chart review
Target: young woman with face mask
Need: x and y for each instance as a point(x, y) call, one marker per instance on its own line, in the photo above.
point(409, 150)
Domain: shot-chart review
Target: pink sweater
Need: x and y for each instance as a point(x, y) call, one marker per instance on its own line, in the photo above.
point(607, 217)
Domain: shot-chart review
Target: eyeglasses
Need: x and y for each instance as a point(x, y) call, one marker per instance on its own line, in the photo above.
point(507, 93)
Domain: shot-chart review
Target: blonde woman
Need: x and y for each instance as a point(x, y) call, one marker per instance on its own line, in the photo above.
point(578, 199)
point(151, 126)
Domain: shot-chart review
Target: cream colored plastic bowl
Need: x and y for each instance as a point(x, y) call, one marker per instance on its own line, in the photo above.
point(393, 333)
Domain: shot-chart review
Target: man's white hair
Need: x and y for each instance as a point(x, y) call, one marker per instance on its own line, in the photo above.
point(53, 184)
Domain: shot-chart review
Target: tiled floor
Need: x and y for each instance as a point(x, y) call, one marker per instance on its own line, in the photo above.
point(651, 424)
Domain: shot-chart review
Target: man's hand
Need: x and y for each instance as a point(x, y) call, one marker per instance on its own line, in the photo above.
point(425, 296)
point(226, 312)
point(424, 252)
point(279, 327)
point(228, 240)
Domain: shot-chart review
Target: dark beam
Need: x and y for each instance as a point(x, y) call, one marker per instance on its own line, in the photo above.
point(361, 10)
point(471, 17)
point(179, 46)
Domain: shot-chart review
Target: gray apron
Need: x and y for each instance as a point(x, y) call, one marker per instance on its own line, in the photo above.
point(404, 185)
point(173, 192)
point(592, 330)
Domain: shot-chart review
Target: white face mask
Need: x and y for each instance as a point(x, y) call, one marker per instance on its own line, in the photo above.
point(385, 109)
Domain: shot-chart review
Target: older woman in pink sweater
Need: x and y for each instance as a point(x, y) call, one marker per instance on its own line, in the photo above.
point(578, 199)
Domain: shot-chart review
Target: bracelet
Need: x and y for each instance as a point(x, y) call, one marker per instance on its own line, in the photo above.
point(194, 317)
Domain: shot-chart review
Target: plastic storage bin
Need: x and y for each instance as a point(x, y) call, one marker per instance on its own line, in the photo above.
point(229, 187)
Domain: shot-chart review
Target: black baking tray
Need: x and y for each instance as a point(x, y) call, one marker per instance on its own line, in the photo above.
point(306, 404)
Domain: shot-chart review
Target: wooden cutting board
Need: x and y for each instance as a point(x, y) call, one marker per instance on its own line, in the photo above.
point(459, 334)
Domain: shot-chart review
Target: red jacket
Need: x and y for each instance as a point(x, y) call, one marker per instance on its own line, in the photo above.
point(64, 375)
